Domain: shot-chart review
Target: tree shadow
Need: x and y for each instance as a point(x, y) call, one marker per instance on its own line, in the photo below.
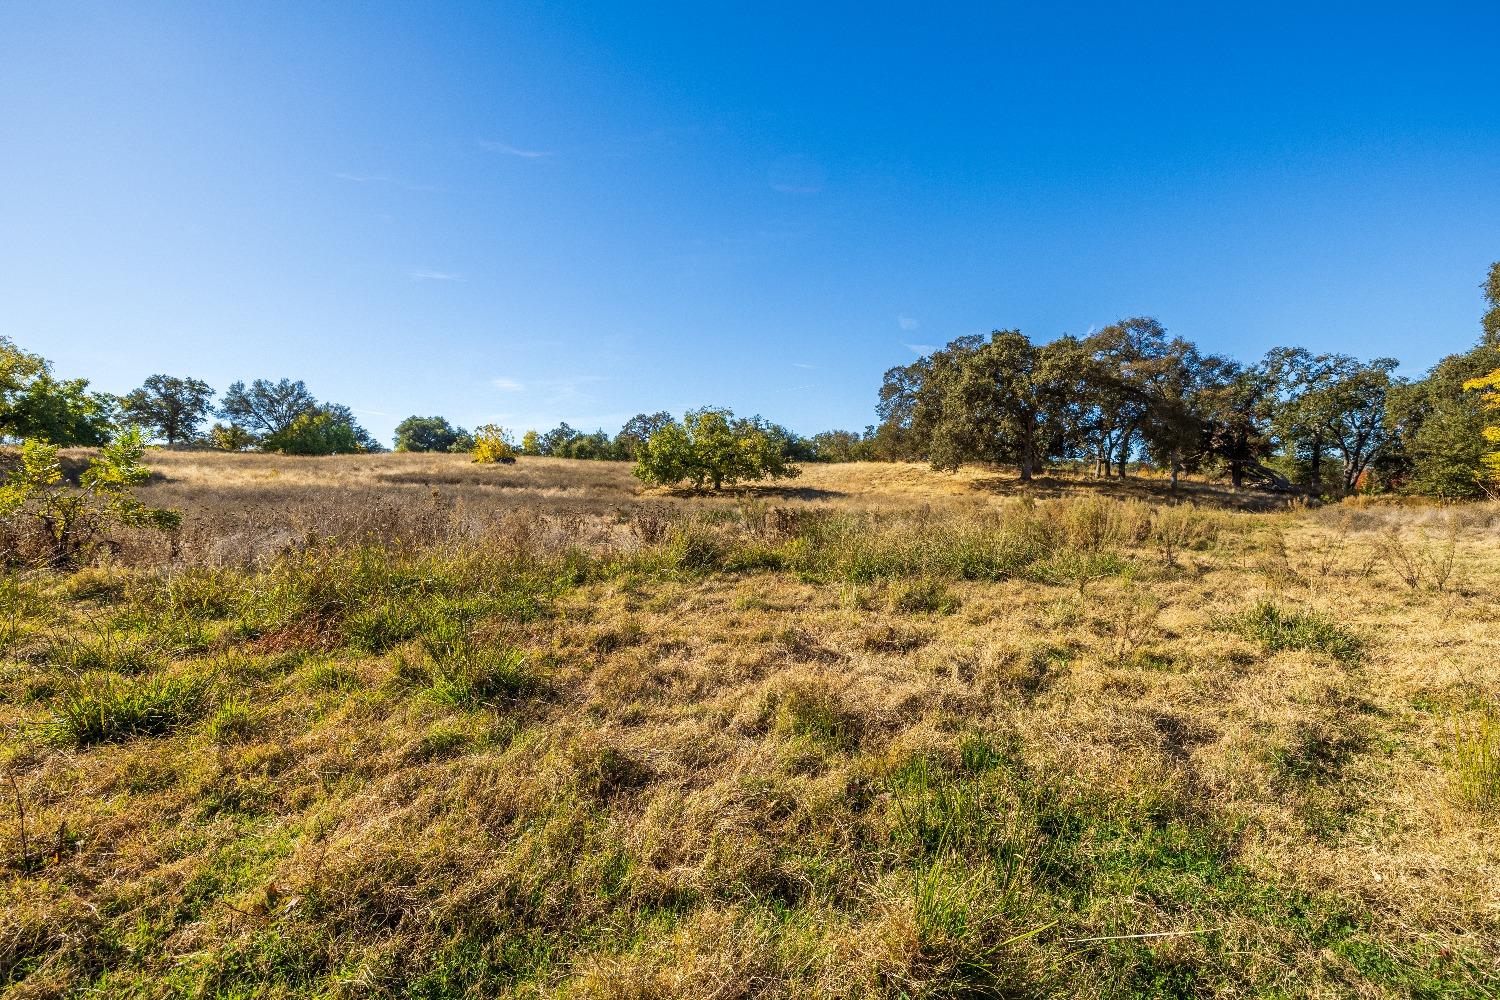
point(1051, 487)
point(756, 492)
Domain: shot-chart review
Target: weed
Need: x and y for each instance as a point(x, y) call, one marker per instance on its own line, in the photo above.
point(329, 675)
point(1419, 560)
point(1130, 623)
point(101, 649)
point(1179, 527)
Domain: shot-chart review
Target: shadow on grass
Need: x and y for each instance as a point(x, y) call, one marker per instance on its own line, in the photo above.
point(754, 492)
point(1051, 487)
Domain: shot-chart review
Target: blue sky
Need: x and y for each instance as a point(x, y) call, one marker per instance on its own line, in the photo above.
point(531, 213)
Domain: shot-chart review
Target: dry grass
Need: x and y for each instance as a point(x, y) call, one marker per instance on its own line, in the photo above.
point(882, 734)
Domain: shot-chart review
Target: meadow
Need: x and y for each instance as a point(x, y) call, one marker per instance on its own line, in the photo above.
point(406, 726)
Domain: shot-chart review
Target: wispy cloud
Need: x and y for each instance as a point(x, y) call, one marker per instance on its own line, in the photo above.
point(509, 150)
point(425, 275)
point(799, 364)
point(907, 323)
point(385, 179)
point(507, 385)
point(920, 348)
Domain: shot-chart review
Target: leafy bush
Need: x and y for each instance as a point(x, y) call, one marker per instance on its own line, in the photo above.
point(230, 437)
point(68, 522)
point(325, 431)
point(712, 448)
point(492, 443)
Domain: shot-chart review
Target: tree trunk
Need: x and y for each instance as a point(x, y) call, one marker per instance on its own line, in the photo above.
point(1176, 468)
point(1237, 474)
point(1317, 464)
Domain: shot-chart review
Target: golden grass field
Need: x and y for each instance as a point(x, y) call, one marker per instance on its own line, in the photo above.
point(402, 725)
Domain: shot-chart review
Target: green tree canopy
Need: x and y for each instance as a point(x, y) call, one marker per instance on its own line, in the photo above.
point(267, 408)
point(171, 408)
point(34, 404)
point(327, 430)
point(712, 448)
point(1004, 399)
point(428, 434)
point(638, 430)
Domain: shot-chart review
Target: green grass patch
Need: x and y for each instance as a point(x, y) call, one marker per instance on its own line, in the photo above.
point(1277, 628)
point(109, 709)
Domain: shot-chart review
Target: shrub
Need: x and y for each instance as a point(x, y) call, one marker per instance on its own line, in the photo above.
point(71, 523)
point(492, 443)
point(231, 437)
point(1180, 527)
point(1488, 387)
point(1277, 629)
point(328, 431)
point(107, 709)
point(1092, 524)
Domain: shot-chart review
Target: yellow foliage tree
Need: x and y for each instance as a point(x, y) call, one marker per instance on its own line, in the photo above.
point(492, 443)
point(1489, 387)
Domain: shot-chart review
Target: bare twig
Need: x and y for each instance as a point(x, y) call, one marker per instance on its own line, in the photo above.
point(21, 821)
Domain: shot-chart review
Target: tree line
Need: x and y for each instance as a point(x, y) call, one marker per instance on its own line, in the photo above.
point(281, 416)
point(1126, 397)
point(563, 441)
point(1131, 394)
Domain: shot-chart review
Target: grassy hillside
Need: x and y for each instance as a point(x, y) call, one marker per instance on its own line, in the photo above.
point(404, 726)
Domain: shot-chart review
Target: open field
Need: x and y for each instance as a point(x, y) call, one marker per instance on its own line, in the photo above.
point(406, 726)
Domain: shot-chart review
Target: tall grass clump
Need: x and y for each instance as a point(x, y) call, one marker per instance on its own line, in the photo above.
point(467, 672)
point(863, 548)
point(1277, 628)
point(1179, 527)
point(1474, 759)
point(108, 709)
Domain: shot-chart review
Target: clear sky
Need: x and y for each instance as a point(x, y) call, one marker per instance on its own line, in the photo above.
point(530, 213)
